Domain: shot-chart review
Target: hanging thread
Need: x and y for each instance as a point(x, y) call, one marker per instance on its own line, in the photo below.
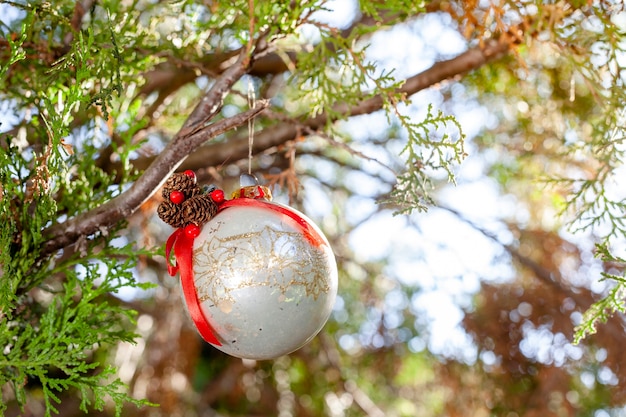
point(252, 105)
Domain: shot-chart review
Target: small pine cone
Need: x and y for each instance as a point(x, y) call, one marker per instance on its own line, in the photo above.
point(171, 214)
point(198, 210)
point(181, 182)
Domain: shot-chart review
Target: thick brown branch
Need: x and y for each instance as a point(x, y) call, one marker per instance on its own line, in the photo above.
point(120, 207)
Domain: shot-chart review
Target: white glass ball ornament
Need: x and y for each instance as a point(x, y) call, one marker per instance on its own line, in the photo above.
point(259, 279)
point(264, 279)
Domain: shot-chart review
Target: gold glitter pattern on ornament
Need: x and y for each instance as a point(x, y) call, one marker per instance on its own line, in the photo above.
point(273, 258)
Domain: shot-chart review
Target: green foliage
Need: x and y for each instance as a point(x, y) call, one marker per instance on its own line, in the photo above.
point(614, 301)
point(594, 204)
point(398, 9)
point(578, 155)
point(344, 81)
point(57, 312)
point(17, 52)
point(52, 340)
point(434, 145)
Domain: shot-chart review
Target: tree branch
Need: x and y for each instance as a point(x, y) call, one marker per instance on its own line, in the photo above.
point(237, 148)
point(167, 74)
point(194, 132)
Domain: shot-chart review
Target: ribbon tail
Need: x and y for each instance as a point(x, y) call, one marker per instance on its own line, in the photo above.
point(171, 269)
point(183, 249)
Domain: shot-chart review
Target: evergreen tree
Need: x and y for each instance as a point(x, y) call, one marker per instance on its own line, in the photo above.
point(101, 101)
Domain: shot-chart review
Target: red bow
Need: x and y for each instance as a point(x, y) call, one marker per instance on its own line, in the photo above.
point(183, 249)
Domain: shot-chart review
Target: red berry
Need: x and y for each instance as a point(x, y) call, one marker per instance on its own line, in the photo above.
point(217, 196)
point(190, 174)
point(177, 197)
point(192, 230)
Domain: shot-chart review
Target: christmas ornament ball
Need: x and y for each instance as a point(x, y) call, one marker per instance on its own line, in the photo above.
point(265, 276)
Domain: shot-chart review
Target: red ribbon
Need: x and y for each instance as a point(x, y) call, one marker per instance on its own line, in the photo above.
point(305, 227)
point(183, 249)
